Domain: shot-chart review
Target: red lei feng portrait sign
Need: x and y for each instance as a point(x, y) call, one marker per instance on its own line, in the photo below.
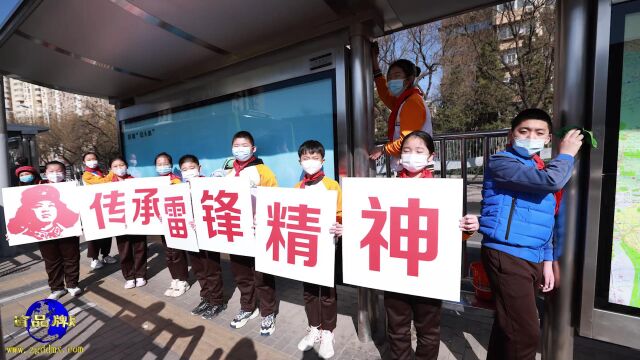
point(41, 212)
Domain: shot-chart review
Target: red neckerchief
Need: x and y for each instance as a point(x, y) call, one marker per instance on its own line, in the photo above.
point(239, 166)
point(396, 109)
point(311, 178)
point(558, 195)
point(425, 173)
point(95, 171)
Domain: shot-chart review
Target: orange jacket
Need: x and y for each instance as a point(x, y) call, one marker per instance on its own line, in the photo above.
point(412, 117)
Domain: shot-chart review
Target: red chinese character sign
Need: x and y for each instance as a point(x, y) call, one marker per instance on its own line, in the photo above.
point(41, 212)
point(177, 217)
point(102, 209)
point(223, 215)
point(143, 205)
point(402, 235)
point(292, 234)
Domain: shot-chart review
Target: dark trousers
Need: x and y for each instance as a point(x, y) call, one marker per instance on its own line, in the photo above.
point(133, 256)
point(321, 306)
point(425, 313)
point(62, 262)
point(206, 267)
point(514, 282)
point(97, 247)
point(251, 282)
point(176, 262)
point(321, 302)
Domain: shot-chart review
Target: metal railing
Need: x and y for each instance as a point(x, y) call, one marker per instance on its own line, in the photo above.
point(459, 155)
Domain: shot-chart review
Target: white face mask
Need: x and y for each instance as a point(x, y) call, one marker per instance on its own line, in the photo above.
point(241, 153)
point(190, 174)
point(414, 162)
point(311, 166)
point(91, 164)
point(120, 171)
point(55, 177)
point(528, 147)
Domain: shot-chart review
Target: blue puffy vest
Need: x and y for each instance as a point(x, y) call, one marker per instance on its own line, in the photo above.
point(518, 223)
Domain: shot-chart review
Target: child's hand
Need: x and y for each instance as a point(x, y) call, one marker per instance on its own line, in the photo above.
point(469, 223)
point(547, 275)
point(571, 142)
point(556, 273)
point(336, 229)
point(376, 153)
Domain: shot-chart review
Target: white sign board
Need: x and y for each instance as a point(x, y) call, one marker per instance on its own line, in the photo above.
point(41, 212)
point(292, 234)
point(223, 214)
point(177, 217)
point(402, 235)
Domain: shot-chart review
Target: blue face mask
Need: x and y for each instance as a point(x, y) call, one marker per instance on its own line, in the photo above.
point(528, 147)
point(396, 86)
point(26, 178)
point(163, 170)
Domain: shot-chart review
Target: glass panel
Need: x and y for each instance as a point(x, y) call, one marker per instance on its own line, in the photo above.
point(279, 116)
point(624, 287)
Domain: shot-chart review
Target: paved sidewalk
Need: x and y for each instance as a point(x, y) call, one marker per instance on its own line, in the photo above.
point(114, 323)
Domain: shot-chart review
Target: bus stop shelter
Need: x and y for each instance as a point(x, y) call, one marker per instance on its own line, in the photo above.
point(225, 64)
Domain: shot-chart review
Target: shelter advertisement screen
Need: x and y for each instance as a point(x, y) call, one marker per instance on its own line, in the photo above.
point(280, 117)
point(624, 288)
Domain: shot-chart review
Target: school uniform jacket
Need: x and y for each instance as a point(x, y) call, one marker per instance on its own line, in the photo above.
point(326, 184)
point(258, 174)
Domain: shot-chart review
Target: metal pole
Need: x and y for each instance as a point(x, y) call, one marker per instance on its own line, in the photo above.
point(443, 158)
point(5, 179)
point(572, 44)
point(361, 77)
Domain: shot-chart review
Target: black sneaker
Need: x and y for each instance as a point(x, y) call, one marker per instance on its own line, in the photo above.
point(202, 307)
point(213, 311)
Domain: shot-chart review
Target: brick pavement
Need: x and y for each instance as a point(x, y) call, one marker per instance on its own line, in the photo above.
point(114, 323)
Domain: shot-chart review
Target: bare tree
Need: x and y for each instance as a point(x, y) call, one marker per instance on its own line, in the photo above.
point(73, 134)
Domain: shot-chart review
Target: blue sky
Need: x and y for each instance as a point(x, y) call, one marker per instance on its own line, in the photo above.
point(6, 9)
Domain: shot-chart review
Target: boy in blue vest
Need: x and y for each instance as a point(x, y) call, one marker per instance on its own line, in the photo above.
point(518, 213)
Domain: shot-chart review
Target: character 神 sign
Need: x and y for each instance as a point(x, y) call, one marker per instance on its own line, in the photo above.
point(402, 235)
point(292, 234)
point(41, 212)
point(223, 215)
point(177, 217)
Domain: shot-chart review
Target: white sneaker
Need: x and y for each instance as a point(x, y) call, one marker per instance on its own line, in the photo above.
point(96, 264)
point(326, 345)
point(55, 295)
point(130, 284)
point(109, 259)
point(74, 291)
point(172, 288)
point(180, 288)
point(312, 337)
point(140, 282)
